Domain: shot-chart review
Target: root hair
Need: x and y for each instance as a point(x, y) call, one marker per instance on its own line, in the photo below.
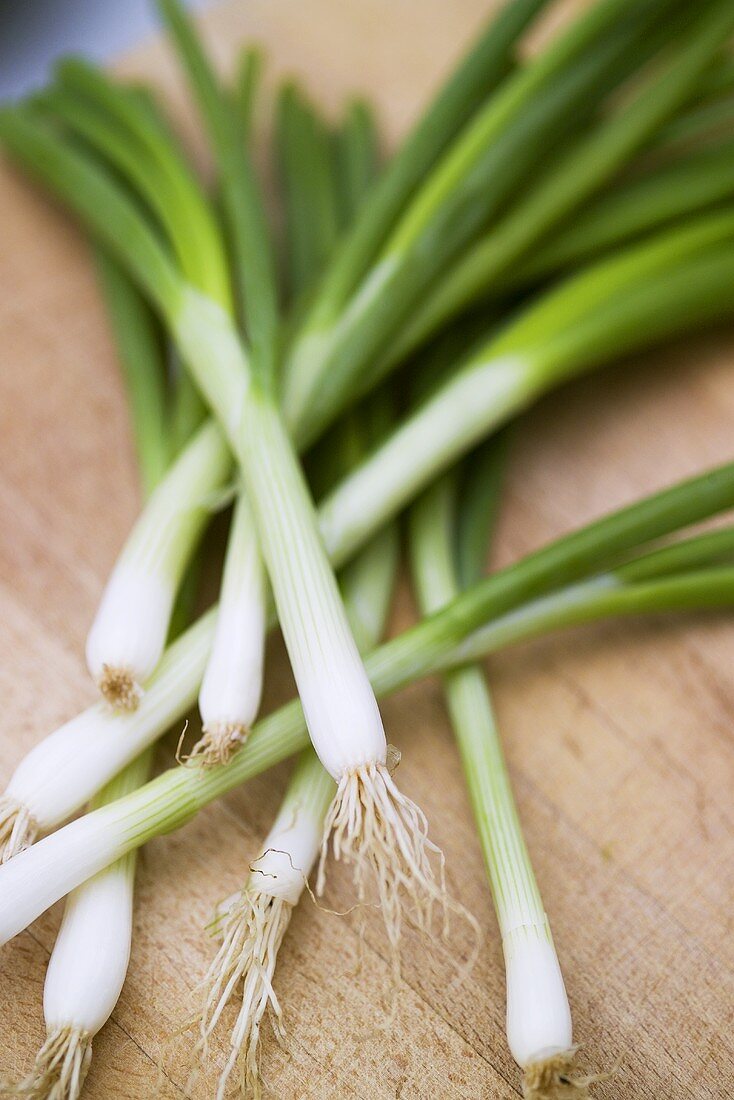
point(384, 835)
point(251, 925)
point(555, 1078)
point(60, 1069)
point(18, 828)
point(120, 688)
point(218, 742)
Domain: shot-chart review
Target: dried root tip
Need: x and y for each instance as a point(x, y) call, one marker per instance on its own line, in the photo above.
point(385, 836)
point(252, 927)
point(120, 688)
point(220, 741)
point(61, 1067)
point(554, 1079)
point(18, 828)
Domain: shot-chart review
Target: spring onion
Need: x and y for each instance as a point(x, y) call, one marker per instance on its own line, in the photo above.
point(88, 964)
point(538, 1013)
point(136, 607)
point(230, 693)
point(253, 922)
point(130, 628)
point(232, 685)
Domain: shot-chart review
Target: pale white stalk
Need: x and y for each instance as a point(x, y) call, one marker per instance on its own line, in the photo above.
point(338, 701)
point(88, 964)
point(372, 824)
point(70, 766)
point(129, 632)
point(230, 692)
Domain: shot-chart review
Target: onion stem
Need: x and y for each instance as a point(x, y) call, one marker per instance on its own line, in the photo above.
point(538, 1014)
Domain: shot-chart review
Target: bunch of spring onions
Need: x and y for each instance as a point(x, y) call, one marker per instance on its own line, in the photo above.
point(544, 216)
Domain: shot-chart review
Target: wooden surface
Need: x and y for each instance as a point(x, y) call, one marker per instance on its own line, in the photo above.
point(619, 737)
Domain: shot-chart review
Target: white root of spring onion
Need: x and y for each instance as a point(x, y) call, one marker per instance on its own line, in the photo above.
point(253, 922)
point(18, 827)
point(555, 1078)
point(230, 692)
point(72, 764)
point(384, 835)
point(129, 631)
point(253, 925)
point(60, 1069)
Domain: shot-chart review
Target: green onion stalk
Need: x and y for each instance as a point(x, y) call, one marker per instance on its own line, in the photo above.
point(482, 619)
point(539, 1030)
point(120, 127)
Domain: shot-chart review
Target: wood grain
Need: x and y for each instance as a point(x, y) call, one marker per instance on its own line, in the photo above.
point(619, 737)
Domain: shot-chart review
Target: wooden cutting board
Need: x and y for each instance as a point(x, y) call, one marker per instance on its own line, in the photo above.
point(619, 737)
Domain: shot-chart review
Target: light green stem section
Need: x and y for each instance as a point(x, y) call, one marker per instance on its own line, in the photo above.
point(168, 529)
point(514, 888)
